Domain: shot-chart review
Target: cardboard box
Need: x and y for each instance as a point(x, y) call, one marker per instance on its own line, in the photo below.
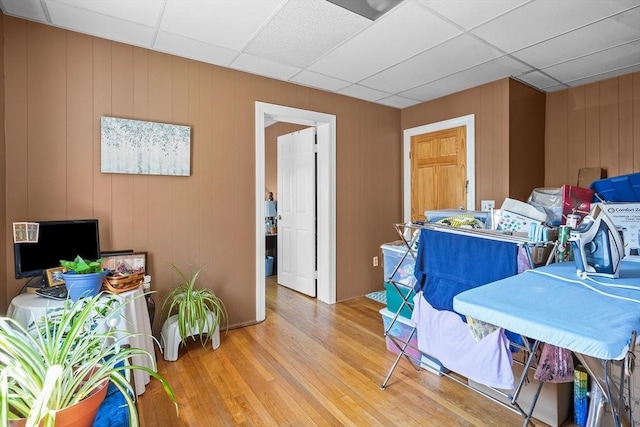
point(587, 175)
point(626, 217)
point(553, 405)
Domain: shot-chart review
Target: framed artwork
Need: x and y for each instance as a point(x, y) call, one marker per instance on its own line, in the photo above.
point(143, 147)
point(54, 276)
point(125, 262)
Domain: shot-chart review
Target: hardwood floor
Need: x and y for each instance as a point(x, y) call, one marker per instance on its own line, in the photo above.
point(310, 364)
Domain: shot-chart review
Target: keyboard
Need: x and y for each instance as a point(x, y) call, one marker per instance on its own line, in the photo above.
point(54, 292)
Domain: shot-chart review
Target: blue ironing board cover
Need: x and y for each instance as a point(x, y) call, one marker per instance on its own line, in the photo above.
point(557, 311)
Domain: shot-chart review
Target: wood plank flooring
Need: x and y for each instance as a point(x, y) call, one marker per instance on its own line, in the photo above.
point(310, 364)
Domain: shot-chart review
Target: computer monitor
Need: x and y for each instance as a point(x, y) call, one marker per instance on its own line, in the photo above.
point(57, 240)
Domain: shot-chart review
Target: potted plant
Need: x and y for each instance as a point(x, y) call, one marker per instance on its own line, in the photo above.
point(83, 278)
point(64, 361)
point(198, 310)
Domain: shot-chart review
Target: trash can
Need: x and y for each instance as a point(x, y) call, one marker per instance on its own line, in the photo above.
point(268, 266)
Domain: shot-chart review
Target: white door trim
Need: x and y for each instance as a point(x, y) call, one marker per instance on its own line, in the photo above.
point(469, 122)
point(326, 196)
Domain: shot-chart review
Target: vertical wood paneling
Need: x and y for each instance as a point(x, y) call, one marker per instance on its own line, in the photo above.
point(601, 130)
point(47, 118)
point(636, 122)
point(3, 174)
point(555, 135)
point(576, 141)
point(179, 187)
point(122, 197)
point(592, 133)
point(609, 126)
point(141, 211)
point(203, 166)
point(102, 195)
point(161, 195)
point(79, 69)
point(625, 124)
point(194, 213)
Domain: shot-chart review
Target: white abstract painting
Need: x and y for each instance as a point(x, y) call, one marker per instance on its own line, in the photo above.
point(141, 147)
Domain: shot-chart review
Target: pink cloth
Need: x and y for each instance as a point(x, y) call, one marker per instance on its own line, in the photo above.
point(443, 335)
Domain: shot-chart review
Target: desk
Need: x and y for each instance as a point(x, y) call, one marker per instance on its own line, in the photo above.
point(27, 308)
point(552, 305)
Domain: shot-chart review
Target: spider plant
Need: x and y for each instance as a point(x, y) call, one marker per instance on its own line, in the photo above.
point(192, 305)
point(64, 357)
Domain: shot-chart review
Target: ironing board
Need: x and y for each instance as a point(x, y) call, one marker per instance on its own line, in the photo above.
point(553, 305)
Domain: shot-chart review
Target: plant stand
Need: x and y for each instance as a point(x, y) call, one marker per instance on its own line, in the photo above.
point(170, 337)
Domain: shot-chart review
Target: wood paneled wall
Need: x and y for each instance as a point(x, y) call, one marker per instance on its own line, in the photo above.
point(595, 125)
point(58, 85)
point(3, 218)
point(490, 104)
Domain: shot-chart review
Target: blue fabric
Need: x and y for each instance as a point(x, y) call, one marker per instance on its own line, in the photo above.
point(450, 263)
point(113, 411)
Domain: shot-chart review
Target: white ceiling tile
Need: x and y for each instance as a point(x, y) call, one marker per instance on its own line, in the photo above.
point(603, 76)
point(226, 23)
point(304, 30)
point(448, 58)
point(402, 33)
point(484, 73)
point(398, 101)
point(537, 79)
point(622, 28)
point(611, 59)
point(87, 22)
point(309, 78)
point(471, 13)
point(263, 67)
point(29, 9)
point(194, 49)
point(145, 12)
point(362, 92)
point(542, 19)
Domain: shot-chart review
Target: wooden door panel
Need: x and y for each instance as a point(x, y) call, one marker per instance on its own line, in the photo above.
point(438, 171)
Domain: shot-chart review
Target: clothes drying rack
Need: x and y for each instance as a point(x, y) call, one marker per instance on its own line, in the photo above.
point(409, 235)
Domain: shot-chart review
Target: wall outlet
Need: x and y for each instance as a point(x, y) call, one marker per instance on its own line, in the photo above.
point(487, 205)
point(375, 261)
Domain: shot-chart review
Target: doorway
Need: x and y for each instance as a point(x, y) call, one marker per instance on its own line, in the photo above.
point(326, 194)
point(469, 124)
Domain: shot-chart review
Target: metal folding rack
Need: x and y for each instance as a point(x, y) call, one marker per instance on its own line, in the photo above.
point(529, 347)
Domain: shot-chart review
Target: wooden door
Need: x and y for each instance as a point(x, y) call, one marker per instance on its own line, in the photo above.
point(438, 171)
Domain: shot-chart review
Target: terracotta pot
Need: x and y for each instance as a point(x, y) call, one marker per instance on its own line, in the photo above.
point(82, 414)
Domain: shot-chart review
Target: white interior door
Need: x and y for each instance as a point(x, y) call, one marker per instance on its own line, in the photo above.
point(297, 211)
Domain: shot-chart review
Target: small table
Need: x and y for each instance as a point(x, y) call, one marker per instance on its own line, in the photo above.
point(27, 308)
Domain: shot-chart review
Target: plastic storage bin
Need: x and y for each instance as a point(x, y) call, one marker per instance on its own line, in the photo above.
point(391, 255)
point(394, 299)
point(268, 266)
point(401, 329)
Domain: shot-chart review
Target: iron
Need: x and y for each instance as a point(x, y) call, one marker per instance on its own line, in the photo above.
point(597, 245)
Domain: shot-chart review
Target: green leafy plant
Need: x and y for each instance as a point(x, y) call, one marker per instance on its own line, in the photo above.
point(192, 305)
point(82, 266)
point(65, 357)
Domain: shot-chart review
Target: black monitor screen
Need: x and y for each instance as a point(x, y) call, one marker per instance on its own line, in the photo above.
point(57, 240)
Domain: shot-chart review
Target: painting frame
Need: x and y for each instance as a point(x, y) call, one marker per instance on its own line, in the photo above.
point(143, 147)
point(125, 262)
point(54, 276)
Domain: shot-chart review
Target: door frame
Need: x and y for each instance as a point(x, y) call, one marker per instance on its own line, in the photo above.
point(469, 122)
point(326, 196)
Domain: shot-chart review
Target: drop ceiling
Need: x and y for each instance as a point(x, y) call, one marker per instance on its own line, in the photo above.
point(418, 51)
